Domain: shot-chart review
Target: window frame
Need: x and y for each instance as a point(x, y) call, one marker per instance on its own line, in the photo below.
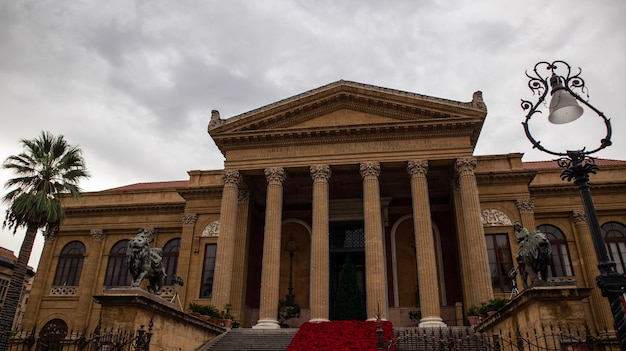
point(171, 252)
point(615, 244)
point(560, 251)
point(208, 270)
point(117, 266)
point(70, 264)
point(500, 260)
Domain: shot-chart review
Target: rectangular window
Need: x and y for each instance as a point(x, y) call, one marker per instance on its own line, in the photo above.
point(4, 286)
point(500, 261)
point(208, 268)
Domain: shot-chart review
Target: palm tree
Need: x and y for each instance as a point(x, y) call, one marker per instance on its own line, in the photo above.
point(47, 167)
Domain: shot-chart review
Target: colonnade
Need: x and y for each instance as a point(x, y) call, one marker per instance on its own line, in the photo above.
point(375, 263)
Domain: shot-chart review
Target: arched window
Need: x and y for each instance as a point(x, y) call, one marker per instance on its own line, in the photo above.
point(561, 265)
point(615, 238)
point(170, 259)
point(52, 335)
point(117, 269)
point(70, 264)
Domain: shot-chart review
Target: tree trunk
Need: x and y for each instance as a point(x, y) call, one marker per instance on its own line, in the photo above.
point(16, 286)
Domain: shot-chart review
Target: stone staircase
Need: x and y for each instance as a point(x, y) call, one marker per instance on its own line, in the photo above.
point(247, 339)
point(440, 339)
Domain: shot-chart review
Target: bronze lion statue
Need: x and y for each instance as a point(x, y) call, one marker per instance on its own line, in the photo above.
point(145, 262)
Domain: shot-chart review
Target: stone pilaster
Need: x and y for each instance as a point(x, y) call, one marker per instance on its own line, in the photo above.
point(270, 276)
point(430, 303)
point(601, 309)
point(319, 245)
point(226, 240)
point(188, 221)
point(90, 272)
point(526, 208)
point(40, 282)
point(474, 232)
point(374, 248)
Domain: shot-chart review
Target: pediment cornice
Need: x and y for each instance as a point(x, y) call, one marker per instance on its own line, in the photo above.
point(403, 112)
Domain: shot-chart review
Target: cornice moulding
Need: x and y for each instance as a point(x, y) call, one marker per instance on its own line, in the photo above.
point(114, 209)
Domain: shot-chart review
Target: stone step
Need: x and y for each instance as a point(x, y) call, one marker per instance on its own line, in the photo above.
point(435, 339)
point(247, 339)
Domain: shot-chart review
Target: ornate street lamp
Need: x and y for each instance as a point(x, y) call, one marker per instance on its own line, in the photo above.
point(577, 164)
point(291, 247)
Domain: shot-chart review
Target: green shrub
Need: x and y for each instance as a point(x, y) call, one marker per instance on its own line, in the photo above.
point(206, 310)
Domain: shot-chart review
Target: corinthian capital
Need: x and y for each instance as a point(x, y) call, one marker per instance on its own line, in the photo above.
point(97, 234)
point(526, 205)
point(231, 177)
point(370, 169)
point(320, 172)
point(275, 175)
point(579, 217)
point(189, 219)
point(417, 167)
point(465, 165)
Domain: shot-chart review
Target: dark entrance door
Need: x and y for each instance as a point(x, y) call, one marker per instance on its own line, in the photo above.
point(346, 239)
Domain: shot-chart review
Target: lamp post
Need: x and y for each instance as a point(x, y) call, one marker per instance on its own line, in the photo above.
point(577, 164)
point(291, 247)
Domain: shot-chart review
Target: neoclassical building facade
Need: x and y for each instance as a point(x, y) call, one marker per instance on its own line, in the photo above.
point(385, 177)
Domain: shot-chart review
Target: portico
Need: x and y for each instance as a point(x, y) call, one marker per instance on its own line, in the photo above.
point(348, 152)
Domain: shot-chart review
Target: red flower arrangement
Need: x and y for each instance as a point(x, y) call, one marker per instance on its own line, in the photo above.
point(339, 336)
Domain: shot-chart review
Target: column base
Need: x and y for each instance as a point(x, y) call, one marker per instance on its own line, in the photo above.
point(266, 324)
point(432, 322)
point(319, 320)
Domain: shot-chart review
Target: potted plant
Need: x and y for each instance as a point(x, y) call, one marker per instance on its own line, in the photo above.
point(206, 312)
point(497, 303)
point(415, 315)
point(227, 317)
point(472, 315)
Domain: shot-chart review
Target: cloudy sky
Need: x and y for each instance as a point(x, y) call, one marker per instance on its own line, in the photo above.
point(133, 82)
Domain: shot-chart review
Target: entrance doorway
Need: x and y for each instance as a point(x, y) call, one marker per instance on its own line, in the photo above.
point(346, 239)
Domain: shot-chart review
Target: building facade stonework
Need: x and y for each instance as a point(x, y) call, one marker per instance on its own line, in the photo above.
point(385, 177)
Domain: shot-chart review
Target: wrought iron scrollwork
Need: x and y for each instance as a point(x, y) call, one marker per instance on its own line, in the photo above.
point(539, 84)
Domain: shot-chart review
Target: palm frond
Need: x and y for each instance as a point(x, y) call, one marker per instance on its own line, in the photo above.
point(47, 167)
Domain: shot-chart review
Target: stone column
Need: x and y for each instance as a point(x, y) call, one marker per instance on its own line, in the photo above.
point(374, 248)
point(599, 305)
point(464, 255)
point(226, 240)
point(270, 276)
point(427, 276)
point(475, 233)
point(237, 296)
point(319, 245)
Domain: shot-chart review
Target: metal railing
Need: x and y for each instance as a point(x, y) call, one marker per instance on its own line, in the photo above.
point(98, 340)
point(544, 338)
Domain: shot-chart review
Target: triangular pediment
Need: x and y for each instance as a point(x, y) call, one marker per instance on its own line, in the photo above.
point(343, 117)
point(342, 107)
